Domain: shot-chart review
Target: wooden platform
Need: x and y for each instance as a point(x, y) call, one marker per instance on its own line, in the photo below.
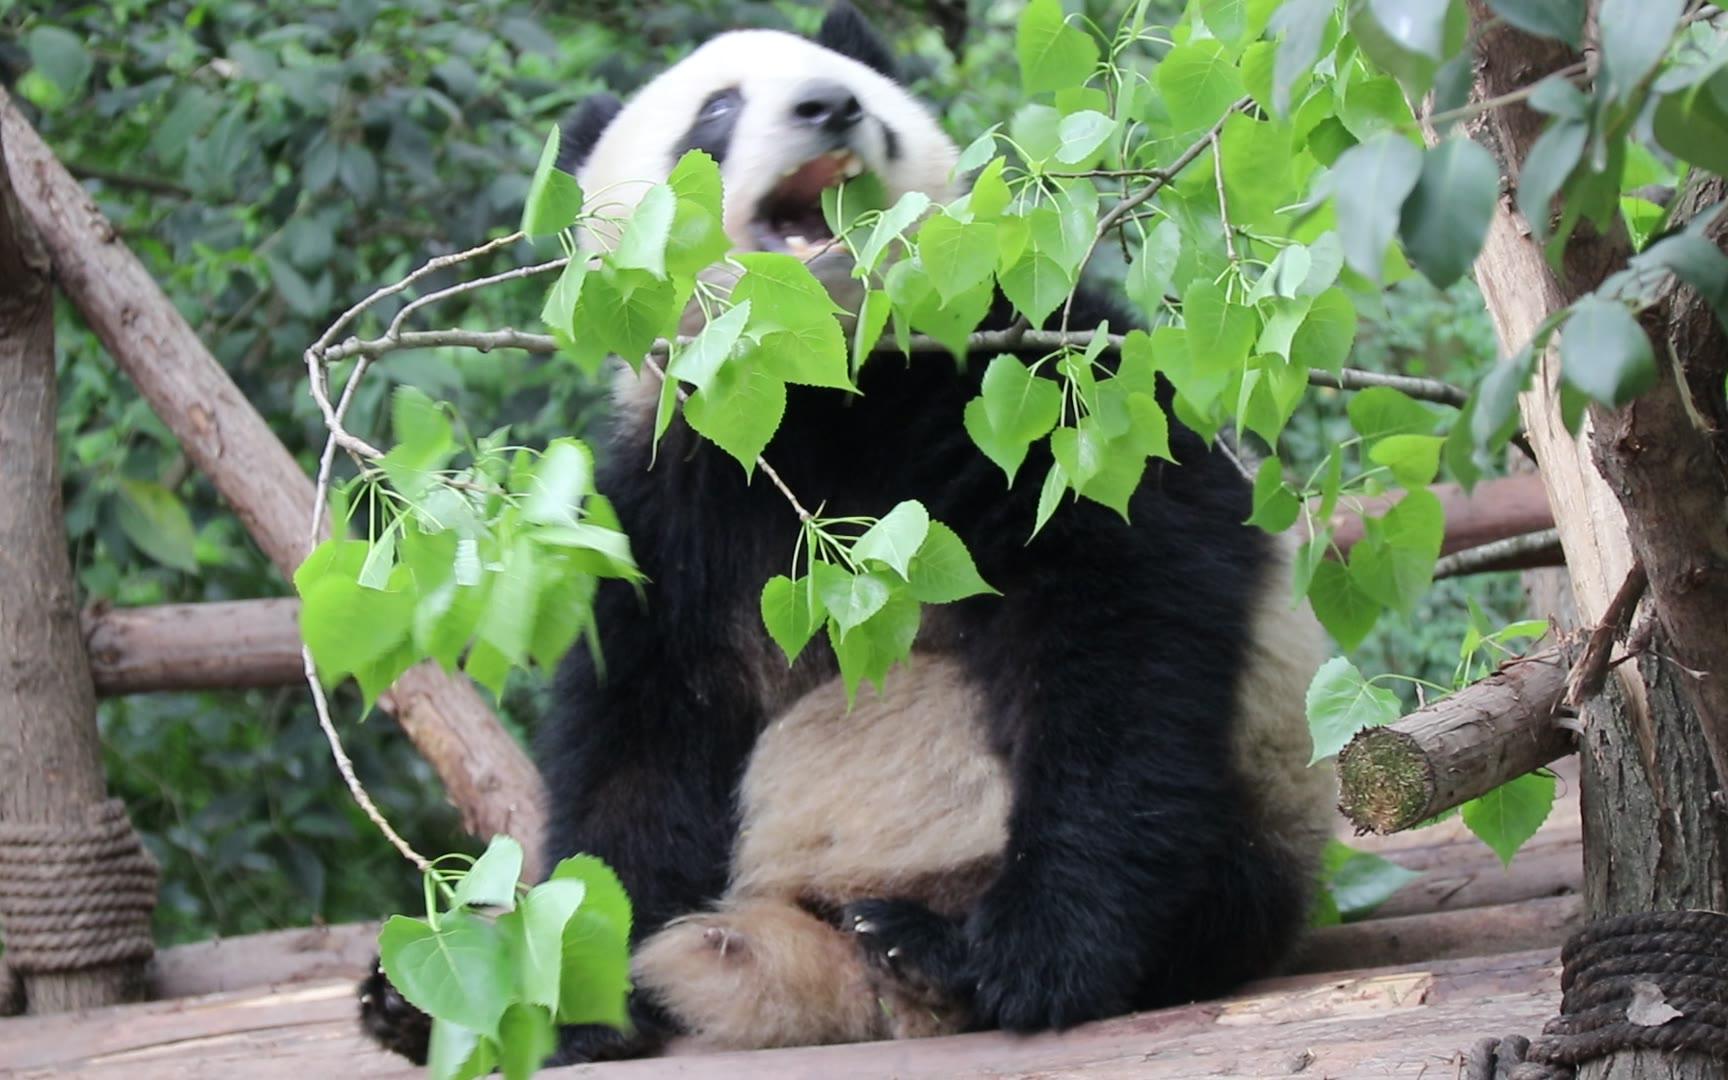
point(1469, 949)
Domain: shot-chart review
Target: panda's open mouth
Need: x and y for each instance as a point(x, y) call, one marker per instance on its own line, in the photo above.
point(789, 218)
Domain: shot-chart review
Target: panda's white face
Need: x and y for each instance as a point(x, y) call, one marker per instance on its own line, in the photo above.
point(786, 118)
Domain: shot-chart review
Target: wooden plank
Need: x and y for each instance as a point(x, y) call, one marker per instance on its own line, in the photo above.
point(277, 958)
point(1351, 1023)
point(1442, 935)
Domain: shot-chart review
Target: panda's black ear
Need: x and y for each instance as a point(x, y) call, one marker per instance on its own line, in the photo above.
point(847, 32)
point(582, 129)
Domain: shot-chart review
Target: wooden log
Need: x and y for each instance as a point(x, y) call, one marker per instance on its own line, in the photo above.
point(50, 752)
point(1361, 1023)
point(1440, 935)
point(215, 646)
point(1400, 775)
point(485, 773)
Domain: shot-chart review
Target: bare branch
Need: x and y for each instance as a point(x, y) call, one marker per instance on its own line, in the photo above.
point(1513, 553)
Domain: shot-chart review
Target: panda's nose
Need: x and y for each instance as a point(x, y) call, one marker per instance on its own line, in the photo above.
point(827, 105)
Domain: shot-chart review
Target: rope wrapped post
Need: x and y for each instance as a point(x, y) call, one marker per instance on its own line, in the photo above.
point(76, 890)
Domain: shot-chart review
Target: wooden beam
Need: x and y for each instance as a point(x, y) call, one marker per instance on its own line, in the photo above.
point(1461, 746)
point(1496, 509)
point(486, 774)
point(216, 646)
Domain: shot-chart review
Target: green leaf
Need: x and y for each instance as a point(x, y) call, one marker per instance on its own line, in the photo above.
point(1394, 564)
point(792, 317)
point(1369, 185)
point(1255, 158)
point(957, 256)
point(1013, 409)
point(1049, 496)
point(791, 612)
point(595, 985)
point(623, 311)
point(1605, 354)
point(643, 244)
point(895, 537)
point(1494, 416)
point(942, 571)
point(562, 479)
point(1696, 261)
point(1408, 39)
point(1042, 275)
point(604, 898)
point(1199, 83)
point(850, 598)
point(1635, 34)
point(1341, 702)
point(697, 237)
point(1323, 340)
point(491, 881)
point(156, 522)
point(1546, 168)
point(978, 152)
point(1446, 217)
point(1302, 24)
point(1511, 813)
point(1052, 54)
point(526, 1038)
point(1276, 507)
point(739, 411)
point(1380, 411)
point(62, 57)
point(1219, 331)
point(1345, 610)
point(891, 225)
point(1560, 19)
point(457, 1053)
point(537, 927)
point(1081, 134)
point(507, 624)
point(1080, 451)
point(459, 972)
point(554, 198)
point(1155, 266)
point(876, 645)
point(698, 362)
point(1692, 124)
point(1361, 881)
point(1413, 459)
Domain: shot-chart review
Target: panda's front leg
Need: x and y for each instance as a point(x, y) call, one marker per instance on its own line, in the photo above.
point(1112, 699)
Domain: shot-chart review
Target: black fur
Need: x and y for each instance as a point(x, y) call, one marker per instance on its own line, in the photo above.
point(583, 128)
point(711, 129)
point(848, 33)
point(1132, 874)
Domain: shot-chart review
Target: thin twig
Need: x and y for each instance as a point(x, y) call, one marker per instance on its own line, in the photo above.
point(1223, 203)
point(469, 286)
point(1580, 69)
point(1512, 553)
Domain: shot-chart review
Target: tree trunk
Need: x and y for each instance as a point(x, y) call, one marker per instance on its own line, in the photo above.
point(50, 754)
point(1655, 838)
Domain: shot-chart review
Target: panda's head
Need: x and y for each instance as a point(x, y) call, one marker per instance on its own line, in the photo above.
point(784, 116)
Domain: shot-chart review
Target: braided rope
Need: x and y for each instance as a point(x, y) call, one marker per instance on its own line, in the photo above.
point(1679, 956)
point(74, 896)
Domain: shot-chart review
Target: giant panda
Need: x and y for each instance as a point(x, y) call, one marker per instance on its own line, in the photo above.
point(1086, 795)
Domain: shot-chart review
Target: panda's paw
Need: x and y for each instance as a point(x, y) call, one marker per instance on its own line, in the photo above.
point(1040, 970)
point(924, 954)
point(390, 1021)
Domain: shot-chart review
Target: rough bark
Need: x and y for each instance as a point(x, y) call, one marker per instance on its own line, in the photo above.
point(215, 646)
point(1400, 775)
point(485, 773)
point(50, 753)
point(1655, 838)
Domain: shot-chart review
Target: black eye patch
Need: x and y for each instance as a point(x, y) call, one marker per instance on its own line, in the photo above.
point(711, 130)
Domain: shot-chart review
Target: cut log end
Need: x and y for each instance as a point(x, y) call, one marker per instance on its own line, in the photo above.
point(1386, 779)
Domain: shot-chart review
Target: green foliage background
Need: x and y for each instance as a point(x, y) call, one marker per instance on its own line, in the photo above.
point(272, 162)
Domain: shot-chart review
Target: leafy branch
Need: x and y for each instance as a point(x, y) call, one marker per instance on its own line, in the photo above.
point(1434, 390)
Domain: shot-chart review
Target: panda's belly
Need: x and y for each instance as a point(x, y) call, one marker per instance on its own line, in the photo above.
point(900, 796)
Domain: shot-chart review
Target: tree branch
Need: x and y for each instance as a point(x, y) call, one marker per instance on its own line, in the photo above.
point(1444, 754)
